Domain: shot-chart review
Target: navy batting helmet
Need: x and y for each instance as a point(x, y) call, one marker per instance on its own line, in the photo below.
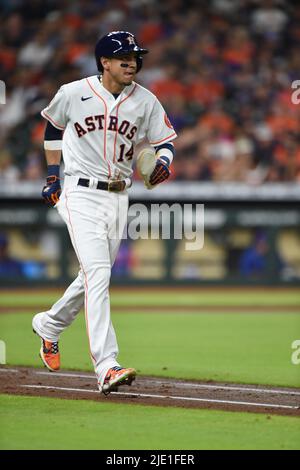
point(118, 43)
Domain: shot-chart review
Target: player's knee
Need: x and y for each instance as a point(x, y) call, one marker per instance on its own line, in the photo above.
point(99, 272)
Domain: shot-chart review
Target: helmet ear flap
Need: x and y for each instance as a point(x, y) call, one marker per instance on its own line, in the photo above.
point(99, 65)
point(139, 63)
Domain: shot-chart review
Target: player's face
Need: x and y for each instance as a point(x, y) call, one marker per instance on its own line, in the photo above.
point(121, 70)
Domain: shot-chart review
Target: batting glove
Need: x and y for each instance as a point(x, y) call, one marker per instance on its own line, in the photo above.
point(161, 171)
point(52, 190)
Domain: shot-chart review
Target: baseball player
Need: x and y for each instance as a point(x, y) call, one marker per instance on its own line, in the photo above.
point(95, 123)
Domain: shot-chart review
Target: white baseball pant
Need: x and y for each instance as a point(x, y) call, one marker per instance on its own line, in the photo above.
point(96, 220)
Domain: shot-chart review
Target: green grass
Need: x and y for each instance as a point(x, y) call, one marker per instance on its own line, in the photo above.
point(254, 348)
point(243, 298)
point(246, 348)
point(63, 424)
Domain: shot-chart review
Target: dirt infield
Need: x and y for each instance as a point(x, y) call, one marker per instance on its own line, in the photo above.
point(153, 391)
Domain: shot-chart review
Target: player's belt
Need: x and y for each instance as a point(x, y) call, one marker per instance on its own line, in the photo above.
point(114, 186)
point(86, 183)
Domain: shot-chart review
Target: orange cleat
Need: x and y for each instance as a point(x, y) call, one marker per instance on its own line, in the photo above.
point(49, 353)
point(117, 376)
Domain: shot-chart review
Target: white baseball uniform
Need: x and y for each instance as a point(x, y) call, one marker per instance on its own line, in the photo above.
point(100, 134)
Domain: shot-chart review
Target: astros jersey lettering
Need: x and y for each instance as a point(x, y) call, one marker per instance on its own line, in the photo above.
point(101, 132)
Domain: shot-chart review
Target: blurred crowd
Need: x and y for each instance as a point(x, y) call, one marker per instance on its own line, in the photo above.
point(223, 69)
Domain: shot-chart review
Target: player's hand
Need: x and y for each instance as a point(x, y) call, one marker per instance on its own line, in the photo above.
point(160, 173)
point(52, 190)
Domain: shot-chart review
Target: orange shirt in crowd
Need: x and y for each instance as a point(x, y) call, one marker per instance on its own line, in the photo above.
point(75, 51)
point(8, 58)
point(73, 21)
point(217, 120)
point(206, 91)
point(150, 32)
point(283, 123)
point(283, 156)
point(168, 88)
point(38, 133)
point(238, 55)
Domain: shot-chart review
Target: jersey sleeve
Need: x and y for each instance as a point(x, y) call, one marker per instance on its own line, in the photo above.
point(160, 129)
point(56, 111)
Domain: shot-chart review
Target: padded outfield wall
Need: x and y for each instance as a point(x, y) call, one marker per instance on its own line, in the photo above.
point(251, 236)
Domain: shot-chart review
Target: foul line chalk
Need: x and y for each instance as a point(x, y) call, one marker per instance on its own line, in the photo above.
point(145, 395)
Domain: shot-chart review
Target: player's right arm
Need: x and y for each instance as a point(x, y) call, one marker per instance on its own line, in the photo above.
point(56, 115)
point(52, 145)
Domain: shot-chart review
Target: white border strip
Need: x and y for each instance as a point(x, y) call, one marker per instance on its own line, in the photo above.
point(145, 395)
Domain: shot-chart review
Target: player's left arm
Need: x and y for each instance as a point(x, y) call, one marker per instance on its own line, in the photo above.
point(164, 157)
point(160, 135)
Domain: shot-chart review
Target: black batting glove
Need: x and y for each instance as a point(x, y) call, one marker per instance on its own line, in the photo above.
point(52, 190)
point(161, 171)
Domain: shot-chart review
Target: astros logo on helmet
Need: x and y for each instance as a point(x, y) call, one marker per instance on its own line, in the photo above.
point(131, 40)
